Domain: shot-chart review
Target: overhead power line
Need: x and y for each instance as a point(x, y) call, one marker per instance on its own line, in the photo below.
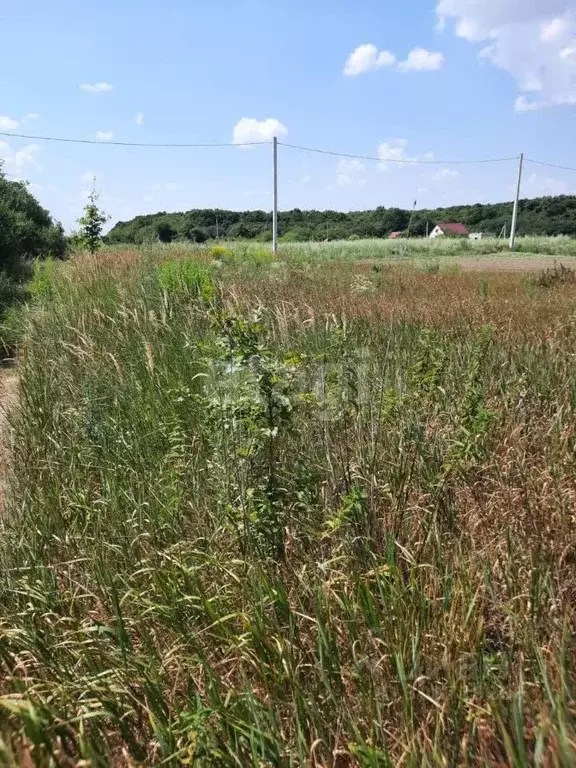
point(394, 160)
point(103, 142)
point(550, 165)
point(200, 145)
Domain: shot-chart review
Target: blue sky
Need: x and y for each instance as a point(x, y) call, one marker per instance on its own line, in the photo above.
point(424, 79)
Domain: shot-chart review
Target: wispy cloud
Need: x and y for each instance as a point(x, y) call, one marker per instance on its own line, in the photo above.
point(96, 87)
point(8, 124)
point(350, 171)
point(17, 161)
point(445, 173)
point(104, 135)
point(531, 41)
point(139, 118)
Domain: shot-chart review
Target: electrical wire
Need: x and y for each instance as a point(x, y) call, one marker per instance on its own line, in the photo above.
point(550, 165)
point(408, 161)
point(101, 142)
point(391, 160)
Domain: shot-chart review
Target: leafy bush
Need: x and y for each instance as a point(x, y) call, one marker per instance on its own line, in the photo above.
point(220, 252)
point(41, 284)
point(165, 233)
point(185, 276)
point(26, 230)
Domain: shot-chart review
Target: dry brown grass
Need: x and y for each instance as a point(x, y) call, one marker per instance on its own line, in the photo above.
point(260, 570)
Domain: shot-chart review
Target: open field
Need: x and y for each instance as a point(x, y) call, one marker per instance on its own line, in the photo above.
point(291, 513)
point(440, 248)
point(531, 253)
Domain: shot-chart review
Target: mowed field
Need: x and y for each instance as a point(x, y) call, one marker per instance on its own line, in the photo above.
point(315, 511)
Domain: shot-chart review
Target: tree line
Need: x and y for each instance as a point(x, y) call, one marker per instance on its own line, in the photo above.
point(538, 216)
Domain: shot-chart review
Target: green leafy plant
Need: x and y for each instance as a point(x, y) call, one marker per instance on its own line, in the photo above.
point(92, 223)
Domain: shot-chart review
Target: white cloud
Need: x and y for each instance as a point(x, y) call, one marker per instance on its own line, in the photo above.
point(104, 135)
point(17, 161)
point(421, 60)
point(351, 164)
point(8, 124)
point(528, 39)
point(32, 116)
point(568, 53)
point(139, 118)
point(96, 87)
point(394, 150)
point(88, 177)
point(148, 198)
point(350, 171)
point(249, 130)
point(306, 179)
point(385, 59)
point(552, 30)
point(40, 188)
point(367, 58)
point(522, 104)
point(445, 173)
point(540, 186)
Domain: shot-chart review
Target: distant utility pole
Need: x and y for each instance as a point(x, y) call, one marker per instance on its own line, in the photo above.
point(516, 201)
point(275, 208)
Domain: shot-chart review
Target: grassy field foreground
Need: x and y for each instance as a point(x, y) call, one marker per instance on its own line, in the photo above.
point(307, 515)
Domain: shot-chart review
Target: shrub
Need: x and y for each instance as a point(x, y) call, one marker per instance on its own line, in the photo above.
point(165, 232)
point(220, 252)
point(185, 276)
point(197, 235)
point(42, 282)
point(26, 230)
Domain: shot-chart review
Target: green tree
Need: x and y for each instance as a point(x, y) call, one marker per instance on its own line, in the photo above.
point(27, 231)
point(92, 223)
point(166, 232)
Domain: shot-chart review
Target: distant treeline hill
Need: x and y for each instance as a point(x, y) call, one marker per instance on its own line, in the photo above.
point(539, 216)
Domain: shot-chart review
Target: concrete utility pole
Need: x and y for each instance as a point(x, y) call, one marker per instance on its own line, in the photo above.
point(516, 201)
point(275, 208)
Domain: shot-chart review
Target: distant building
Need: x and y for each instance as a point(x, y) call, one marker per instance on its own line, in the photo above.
point(449, 229)
point(480, 236)
point(394, 235)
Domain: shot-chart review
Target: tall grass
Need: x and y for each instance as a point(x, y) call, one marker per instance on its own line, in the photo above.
point(273, 515)
point(419, 248)
point(404, 250)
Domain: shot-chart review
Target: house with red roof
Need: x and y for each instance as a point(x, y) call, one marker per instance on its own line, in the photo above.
point(448, 229)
